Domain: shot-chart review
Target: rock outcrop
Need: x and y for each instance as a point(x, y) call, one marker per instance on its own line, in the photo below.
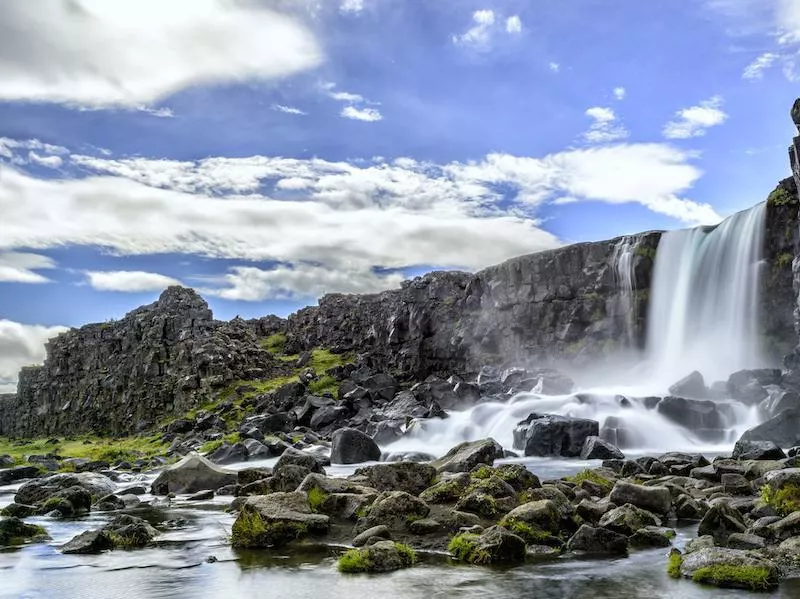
point(124, 376)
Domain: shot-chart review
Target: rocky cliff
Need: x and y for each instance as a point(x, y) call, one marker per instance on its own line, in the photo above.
point(123, 376)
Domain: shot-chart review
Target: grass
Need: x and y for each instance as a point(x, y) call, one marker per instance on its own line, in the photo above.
point(591, 476)
point(211, 446)
point(443, 492)
point(251, 531)
point(754, 578)
point(674, 564)
point(274, 344)
point(483, 472)
point(784, 501)
point(355, 561)
point(645, 252)
point(464, 547)
point(92, 448)
point(783, 259)
point(324, 384)
point(316, 497)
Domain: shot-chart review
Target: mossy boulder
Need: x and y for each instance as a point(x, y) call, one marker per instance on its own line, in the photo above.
point(483, 504)
point(598, 541)
point(14, 531)
point(495, 545)
point(652, 536)
point(516, 475)
point(123, 532)
point(627, 519)
point(730, 568)
point(410, 477)
point(275, 520)
point(18, 510)
point(382, 556)
point(88, 543)
point(395, 509)
point(720, 521)
point(542, 515)
point(447, 490)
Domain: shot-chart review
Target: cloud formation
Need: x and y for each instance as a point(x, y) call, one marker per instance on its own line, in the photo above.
point(696, 120)
point(485, 26)
point(21, 345)
point(97, 53)
point(130, 281)
point(20, 267)
point(362, 114)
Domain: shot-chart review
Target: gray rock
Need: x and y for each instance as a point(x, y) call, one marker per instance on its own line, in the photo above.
point(706, 418)
point(627, 519)
point(757, 450)
point(286, 516)
point(701, 542)
point(15, 531)
point(720, 556)
point(410, 477)
point(38, 491)
point(89, 542)
point(380, 531)
point(350, 446)
point(654, 499)
point(720, 522)
point(465, 456)
point(12, 475)
point(542, 514)
point(600, 541)
point(229, 454)
point(595, 448)
point(394, 509)
point(783, 429)
point(739, 540)
point(193, 473)
point(553, 435)
point(748, 385)
point(384, 556)
point(498, 546)
point(652, 536)
point(692, 386)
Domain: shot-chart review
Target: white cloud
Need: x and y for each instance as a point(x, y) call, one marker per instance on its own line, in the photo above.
point(480, 34)
point(20, 267)
point(351, 6)
point(755, 70)
point(9, 147)
point(555, 67)
point(131, 54)
point(619, 93)
point(514, 24)
point(132, 281)
point(346, 97)
point(303, 280)
point(48, 161)
point(696, 120)
point(287, 109)
point(361, 114)
point(605, 128)
point(788, 18)
point(21, 345)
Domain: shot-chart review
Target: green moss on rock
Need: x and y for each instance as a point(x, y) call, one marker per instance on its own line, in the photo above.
point(753, 578)
point(251, 531)
point(383, 556)
point(674, 564)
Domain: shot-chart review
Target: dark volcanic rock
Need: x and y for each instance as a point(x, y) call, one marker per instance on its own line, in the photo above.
point(757, 450)
point(599, 541)
point(782, 430)
point(595, 448)
point(692, 386)
point(349, 446)
point(706, 418)
point(465, 456)
point(121, 377)
point(553, 435)
point(38, 491)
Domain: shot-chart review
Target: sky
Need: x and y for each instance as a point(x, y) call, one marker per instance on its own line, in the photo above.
point(266, 152)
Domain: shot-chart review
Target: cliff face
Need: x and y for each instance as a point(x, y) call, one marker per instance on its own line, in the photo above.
point(568, 304)
point(123, 376)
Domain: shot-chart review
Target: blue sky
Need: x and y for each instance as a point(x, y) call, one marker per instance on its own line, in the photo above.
point(265, 152)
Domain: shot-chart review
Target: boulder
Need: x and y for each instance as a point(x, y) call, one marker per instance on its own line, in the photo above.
point(757, 450)
point(229, 454)
point(193, 473)
point(381, 556)
point(652, 536)
point(38, 491)
point(706, 418)
point(627, 519)
point(276, 519)
point(595, 448)
point(380, 532)
point(12, 475)
point(14, 531)
point(130, 532)
point(256, 450)
point(653, 499)
point(692, 386)
point(394, 509)
point(495, 545)
point(89, 542)
point(719, 566)
point(553, 435)
point(748, 385)
point(410, 477)
point(465, 456)
point(720, 521)
point(782, 429)
point(542, 515)
point(295, 457)
point(600, 541)
point(350, 446)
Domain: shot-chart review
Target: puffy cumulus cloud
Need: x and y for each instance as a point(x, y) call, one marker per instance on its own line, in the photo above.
point(514, 24)
point(619, 93)
point(369, 115)
point(485, 26)
point(21, 345)
point(130, 53)
point(48, 161)
point(130, 281)
point(248, 283)
point(605, 128)
point(20, 267)
point(696, 120)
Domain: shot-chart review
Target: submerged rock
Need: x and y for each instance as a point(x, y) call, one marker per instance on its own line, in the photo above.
point(381, 556)
point(14, 531)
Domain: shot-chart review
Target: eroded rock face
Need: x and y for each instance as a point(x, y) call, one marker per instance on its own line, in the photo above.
point(122, 377)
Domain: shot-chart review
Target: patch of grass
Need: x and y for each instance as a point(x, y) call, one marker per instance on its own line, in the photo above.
point(407, 555)
point(784, 501)
point(483, 472)
point(674, 563)
point(593, 477)
point(783, 259)
point(250, 531)
point(127, 449)
point(464, 547)
point(212, 446)
point(754, 578)
point(316, 497)
point(781, 197)
point(442, 492)
point(274, 344)
point(645, 252)
point(324, 384)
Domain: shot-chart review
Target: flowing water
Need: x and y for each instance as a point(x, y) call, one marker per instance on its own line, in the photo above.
point(622, 259)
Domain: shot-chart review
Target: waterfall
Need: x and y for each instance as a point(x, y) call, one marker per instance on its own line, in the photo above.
point(704, 299)
point(622, 261)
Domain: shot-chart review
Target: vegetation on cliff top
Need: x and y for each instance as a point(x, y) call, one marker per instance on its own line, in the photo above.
point(89, 447)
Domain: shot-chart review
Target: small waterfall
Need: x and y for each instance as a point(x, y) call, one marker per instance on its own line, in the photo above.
point(622, 261)
point(704, 299)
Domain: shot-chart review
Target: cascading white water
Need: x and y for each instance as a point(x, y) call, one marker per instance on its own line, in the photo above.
point(704, 299)
point(622, 262)
point(703, 315)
